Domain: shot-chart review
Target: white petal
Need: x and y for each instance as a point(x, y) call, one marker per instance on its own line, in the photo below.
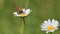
point(47, 23)
point(23, 10)
point(43, 29)
point(46, 31)
point(52, 30)
point(15, 14)
point(43, 25)
point(56, 28)
point(55, 23)
point(27, 11)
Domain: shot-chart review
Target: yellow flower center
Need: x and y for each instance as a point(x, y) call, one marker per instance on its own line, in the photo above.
point(50, 27)
point(23, 14)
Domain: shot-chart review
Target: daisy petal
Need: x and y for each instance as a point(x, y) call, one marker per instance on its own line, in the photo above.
point(15, 14)
point(27, 11)
point(24, 10)
point(55, 23)
point(47, 32)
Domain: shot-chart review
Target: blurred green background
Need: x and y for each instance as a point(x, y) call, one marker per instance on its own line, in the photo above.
point(41, 10)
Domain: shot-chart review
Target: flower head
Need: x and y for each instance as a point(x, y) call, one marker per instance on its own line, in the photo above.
point(22, 12)
point(50, 26)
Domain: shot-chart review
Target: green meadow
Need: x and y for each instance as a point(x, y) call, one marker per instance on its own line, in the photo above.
point(40, 10)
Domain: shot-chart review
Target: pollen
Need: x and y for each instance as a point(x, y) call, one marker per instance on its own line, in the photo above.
point(50, 27)
point(23, 14)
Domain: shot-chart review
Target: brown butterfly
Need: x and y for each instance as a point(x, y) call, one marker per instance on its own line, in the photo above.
point(20, 10)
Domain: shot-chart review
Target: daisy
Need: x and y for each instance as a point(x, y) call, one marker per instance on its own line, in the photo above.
point(22, 12)
point(50, 26)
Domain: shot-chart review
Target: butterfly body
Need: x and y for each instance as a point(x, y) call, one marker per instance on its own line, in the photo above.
point(20, 10)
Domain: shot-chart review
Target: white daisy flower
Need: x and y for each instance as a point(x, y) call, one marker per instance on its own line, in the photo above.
point(22, 12)
point(50, 26)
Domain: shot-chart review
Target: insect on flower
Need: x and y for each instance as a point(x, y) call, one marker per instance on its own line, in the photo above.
point(22, 12)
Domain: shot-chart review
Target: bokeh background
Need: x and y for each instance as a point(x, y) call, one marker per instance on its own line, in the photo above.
point(41, 10)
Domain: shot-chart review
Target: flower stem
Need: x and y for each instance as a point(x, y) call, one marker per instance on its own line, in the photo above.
point(50, 32)
point(23, 19)
point(22, 26)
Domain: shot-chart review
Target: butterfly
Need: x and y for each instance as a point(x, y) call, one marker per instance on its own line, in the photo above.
point(20, 10)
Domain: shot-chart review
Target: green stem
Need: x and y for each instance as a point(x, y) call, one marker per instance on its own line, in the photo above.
point(22, 26)
point(50, 32)
point(23, 19)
